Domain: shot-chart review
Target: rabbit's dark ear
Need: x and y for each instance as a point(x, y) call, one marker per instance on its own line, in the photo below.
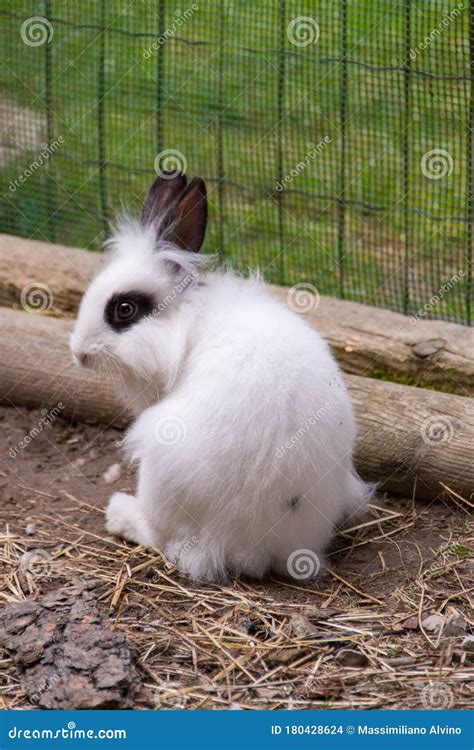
point(162, 195)
point(189, 217)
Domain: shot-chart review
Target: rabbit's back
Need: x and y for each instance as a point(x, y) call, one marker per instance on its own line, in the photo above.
point(256, 363)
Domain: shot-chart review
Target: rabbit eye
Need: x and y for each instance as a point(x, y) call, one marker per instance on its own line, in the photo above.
point(124, 310)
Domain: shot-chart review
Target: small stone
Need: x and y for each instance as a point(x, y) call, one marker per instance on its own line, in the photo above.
point(301, 627)
point(112, 474)
point(455, 623)
point(411, 623)
point(433, 623)
point(467, 649)
point(427, 348)
point(351, 658)
point(468, 644)
point(30, 529)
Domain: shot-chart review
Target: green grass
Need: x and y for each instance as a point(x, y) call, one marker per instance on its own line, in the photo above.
point(460, 550)
point(242, 103)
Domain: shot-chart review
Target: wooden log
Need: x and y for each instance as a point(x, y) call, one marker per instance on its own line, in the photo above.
point(36, 370)
point(413, 441)
point(61, 273)
point(386, 345)
point(365, 340)
point(410, 439)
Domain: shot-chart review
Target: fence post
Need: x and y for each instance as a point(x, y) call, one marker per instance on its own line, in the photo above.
point(341, 229)
point(48, 96)
point(101, 121)
point(220, 134)
point(280, 108)
point(406, 155)
point(470, 167)
point(160, 70)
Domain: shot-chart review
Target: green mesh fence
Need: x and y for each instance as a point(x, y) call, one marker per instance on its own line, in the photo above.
point(335, 136)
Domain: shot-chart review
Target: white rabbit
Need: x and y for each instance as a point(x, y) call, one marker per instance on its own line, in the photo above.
point(244, 431)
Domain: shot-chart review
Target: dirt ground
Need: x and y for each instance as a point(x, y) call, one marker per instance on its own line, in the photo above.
point(382, 629)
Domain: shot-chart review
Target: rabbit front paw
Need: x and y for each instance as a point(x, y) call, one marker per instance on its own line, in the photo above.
point(123, 519)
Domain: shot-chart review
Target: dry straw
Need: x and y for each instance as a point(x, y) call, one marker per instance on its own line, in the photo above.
point(343, 642)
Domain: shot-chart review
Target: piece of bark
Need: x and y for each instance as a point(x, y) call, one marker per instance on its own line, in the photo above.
point(67, 654)
point(365, 340)
point(409, 439)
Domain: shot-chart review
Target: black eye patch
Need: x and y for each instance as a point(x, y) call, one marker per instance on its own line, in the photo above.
point(124, 310)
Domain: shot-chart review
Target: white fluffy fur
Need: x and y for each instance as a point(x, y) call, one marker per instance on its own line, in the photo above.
point(252, 415)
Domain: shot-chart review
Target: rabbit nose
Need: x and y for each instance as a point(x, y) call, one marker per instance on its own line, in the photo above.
point(80, 356)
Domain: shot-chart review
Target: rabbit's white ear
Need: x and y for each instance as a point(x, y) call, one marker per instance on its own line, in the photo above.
point(178, 213)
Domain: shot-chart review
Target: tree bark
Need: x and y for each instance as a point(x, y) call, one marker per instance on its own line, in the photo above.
point(410, 439)
point(67, 652)
point(365, 340)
